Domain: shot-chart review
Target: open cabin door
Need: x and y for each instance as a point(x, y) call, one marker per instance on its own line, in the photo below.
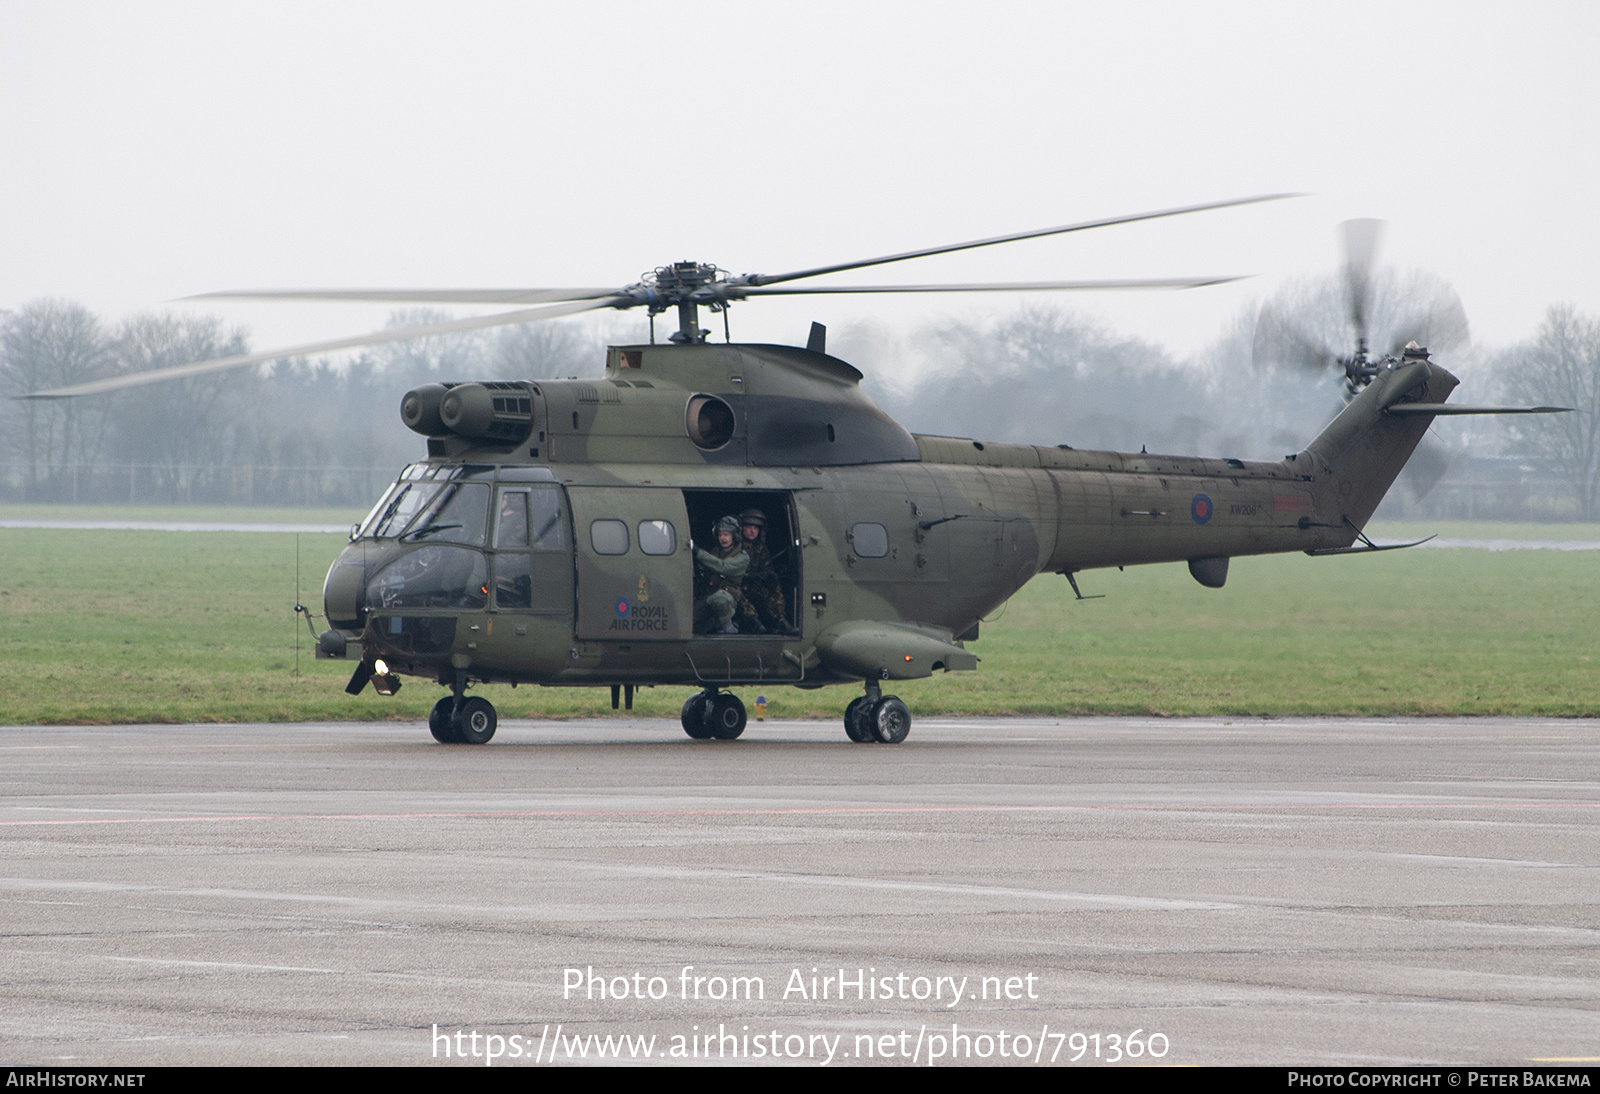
point(635, 572)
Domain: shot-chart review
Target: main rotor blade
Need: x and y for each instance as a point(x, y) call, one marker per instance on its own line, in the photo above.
point(1004, 286)
point(400, 334)
point(772, 279)
point(414, 296)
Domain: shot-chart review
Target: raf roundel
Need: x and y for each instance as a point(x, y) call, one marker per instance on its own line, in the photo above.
point(1200, 508)
point(622, 607)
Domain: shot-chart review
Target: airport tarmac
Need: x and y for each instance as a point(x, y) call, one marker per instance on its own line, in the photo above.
point(1238, 891)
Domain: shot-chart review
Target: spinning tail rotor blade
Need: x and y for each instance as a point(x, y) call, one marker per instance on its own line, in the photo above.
point(1427, 465)
point(1360, 259)
point(1441, 328)
point(1282, 341)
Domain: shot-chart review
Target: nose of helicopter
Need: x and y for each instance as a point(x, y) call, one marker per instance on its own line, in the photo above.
point(342, 591)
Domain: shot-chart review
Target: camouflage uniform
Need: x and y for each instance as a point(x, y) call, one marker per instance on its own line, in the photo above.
point(763, 609)
point(718, 576)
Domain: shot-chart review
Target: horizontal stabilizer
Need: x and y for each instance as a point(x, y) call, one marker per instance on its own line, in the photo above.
point(1417, 410)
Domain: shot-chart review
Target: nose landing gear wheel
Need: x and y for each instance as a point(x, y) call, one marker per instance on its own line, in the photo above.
point(727, 717)
point(855, 720)
point(697, 716)
point(476, 722)
point(890, 721)
point(439, 724)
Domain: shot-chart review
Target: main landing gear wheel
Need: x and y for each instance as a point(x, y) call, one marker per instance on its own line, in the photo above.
point(727, 717)
point(713, 714)
point(475, 724)
point(890, 721)
point(855, 720)
point(439, 723)
point(697, 716)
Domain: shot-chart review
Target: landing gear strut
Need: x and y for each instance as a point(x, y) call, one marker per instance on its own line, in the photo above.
point(712, 713)
point(877, 717)
point(458, 720)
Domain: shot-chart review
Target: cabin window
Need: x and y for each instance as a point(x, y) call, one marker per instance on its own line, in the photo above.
point(609, 537)
point(657, 537)
point(869, 540)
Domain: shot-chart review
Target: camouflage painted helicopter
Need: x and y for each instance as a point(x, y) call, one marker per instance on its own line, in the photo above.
point(550, 535)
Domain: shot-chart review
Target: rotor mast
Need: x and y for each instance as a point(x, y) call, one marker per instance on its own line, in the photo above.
point(685, 285)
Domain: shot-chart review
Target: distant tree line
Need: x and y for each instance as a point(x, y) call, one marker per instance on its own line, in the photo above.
point(1044, 376)
point(321, 432)
point(299, 432)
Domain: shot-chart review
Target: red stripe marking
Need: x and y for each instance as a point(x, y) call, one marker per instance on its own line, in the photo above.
point(822, 811)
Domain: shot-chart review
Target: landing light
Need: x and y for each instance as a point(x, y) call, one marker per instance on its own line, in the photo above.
point(381, 667)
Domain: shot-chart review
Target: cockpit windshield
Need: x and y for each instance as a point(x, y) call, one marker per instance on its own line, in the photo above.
point(425, 504)
point(458, 513)
point(403, 502)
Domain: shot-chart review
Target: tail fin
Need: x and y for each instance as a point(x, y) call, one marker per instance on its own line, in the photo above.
point(1357, 457)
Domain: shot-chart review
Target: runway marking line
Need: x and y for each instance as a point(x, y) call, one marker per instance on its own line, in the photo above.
point(809, 811)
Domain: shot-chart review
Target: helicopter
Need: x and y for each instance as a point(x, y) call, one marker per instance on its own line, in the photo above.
point(559, 532)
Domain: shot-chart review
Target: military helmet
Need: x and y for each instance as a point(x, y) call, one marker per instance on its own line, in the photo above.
point(753, 516)
point(726, 524)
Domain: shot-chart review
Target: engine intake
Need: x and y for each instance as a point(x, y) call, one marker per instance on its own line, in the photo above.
point(491, 411)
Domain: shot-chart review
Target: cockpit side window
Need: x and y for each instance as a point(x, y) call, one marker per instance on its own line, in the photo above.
point(531, 517)
point(547, 523)
point(511, 526)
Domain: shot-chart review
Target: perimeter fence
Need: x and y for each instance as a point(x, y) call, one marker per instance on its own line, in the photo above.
point(190, 484)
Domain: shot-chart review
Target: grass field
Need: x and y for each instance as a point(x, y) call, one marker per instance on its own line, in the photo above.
point(233, 514)
point(132, 626)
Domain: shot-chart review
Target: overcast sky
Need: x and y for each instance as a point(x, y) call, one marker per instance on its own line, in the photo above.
point(153, 150)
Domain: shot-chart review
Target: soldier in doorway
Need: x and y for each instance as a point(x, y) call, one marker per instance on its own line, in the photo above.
point(718, 576)
point(763, 610)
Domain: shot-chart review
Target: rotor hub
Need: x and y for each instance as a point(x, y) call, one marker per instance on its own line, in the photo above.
point(685, 286)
